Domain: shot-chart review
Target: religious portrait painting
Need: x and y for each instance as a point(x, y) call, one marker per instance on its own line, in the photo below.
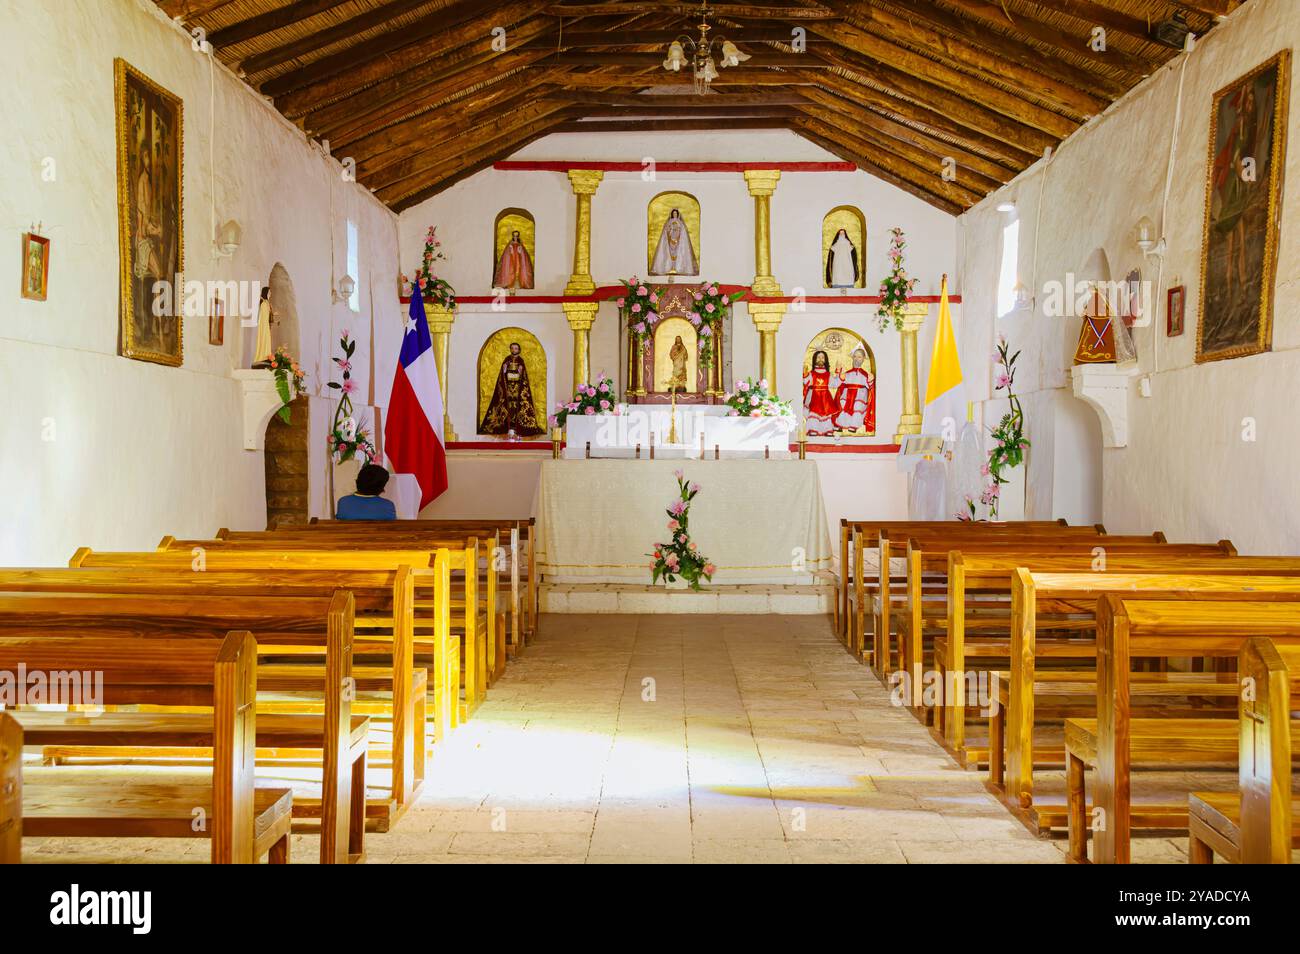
point(1174, 311)
point(513, 250)
point(36, 267)
point(512, 385)
point(839, 385)
point(673, 220)
point(1247, 158)
point(844, 236)
point(149, 211)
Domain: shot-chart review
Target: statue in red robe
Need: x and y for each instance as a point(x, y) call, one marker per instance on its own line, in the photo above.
point(515, 269)
point(818, 400)
point(511, 407)
point(856, 397)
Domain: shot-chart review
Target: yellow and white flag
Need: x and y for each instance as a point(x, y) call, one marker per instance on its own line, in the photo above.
point(945, 394)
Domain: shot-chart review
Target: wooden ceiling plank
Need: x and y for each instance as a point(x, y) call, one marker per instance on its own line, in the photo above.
point(684, 100)
point(672, 125)
point(452, 26)
point(961, 54)
point(270, 21)
point(330, 35)
point(734, 11)
point(762, 59)
point(904, 60)
point(664, 79)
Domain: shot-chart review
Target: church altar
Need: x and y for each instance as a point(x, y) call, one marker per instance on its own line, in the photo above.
point(598, 520)
point(707, 425)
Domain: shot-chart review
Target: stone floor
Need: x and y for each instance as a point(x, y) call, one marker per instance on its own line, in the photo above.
point(626, 738)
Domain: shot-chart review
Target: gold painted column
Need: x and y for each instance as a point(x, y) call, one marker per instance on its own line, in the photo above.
point(910, 420)
point(580, 315)
point(765, 315)
point(440, 320)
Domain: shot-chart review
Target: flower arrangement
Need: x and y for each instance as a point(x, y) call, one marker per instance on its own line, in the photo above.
point(432, 288)
point(680, 556)
point(895, 287)
point(290, 380)
point(753, 399)
point(595, 398)
point(1009, 440)
point(346, 439)
point(639, 304)
point(710, 305)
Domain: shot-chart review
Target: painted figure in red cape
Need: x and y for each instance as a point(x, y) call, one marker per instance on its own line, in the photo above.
point(511, 407)
point(818, 400)
point(856, 397)
point(515, 269)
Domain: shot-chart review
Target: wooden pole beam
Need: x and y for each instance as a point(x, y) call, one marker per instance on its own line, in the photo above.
point(270, 21)
point(683, 100)
point(671, 125)
point(759, 60)
point(725, 11)
point(665, 79)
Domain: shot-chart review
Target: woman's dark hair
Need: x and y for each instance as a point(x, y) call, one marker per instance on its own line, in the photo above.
point(371, 480)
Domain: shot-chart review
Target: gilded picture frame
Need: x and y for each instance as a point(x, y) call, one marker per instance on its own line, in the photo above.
point(658, 210)
point(1239, 238)
point(854, 223)
point(494, 351)
point(35, 282)
point(150, 216)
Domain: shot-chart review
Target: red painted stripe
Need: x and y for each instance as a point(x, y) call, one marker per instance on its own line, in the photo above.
point(500, 445)
point(610, 292)
point(564, 165)
point(794, 448)
point(848, 448)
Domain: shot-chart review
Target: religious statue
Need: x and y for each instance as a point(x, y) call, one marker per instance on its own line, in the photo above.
point(262, 349)
point(678, 355)
point(855, 397)
point(674, 254)
point(842, 262)
point(515, 268)
point(511, 407)
point(819, 404)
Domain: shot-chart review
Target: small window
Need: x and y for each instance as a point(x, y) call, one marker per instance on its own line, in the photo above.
point(354, 268)
point(1008, 274)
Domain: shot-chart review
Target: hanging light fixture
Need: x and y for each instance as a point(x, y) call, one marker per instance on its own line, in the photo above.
point(701, 55)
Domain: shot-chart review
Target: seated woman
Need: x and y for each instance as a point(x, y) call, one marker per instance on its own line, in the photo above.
point(366, 504)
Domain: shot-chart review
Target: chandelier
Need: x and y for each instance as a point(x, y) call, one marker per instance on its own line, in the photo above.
point(701, 53)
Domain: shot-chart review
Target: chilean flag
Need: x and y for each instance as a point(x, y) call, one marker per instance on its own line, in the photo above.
point(413, 431)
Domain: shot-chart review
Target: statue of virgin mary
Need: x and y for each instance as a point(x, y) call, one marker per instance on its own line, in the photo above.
point(674, 254)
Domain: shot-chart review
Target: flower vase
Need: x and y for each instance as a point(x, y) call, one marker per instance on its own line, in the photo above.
point(677, 583)
point(1011, 496)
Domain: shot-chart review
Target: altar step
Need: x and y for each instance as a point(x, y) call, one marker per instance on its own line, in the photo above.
point(739, 599)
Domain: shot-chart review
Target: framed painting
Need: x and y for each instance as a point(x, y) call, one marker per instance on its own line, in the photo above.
point(1247, 156)
point(36, 266)
point(151, 244)
point(1174, 311)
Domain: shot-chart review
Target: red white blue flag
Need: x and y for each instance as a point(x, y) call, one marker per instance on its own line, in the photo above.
point(413, 431)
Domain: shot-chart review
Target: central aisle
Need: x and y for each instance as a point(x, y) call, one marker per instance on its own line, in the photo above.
point(701, 738)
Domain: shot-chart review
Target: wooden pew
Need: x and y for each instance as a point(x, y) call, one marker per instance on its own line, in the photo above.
point(243, 822)
point(523, 558)
point(11, 790)
point(858, 587)
point(1257, 824)
point(1037, 596)
point(384, 582)
point(1132, 628)
point(290, 621)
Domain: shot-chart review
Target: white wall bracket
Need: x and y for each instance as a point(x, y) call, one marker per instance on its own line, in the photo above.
point(261, 400)
point(1104, 388)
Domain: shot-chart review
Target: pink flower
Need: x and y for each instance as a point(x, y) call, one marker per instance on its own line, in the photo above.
point(673, 525)
point(705, 332)
point(672, 561)
point(641, 290)
point(622, 302)
point(709, 307)
point(640, 327)
point(695, 488)
point(345, 333)
point(344, 364)
point(604, 388)
point(1002, 381)
point(678, 508)
point(713, 289)
point(753, 400)
point(678, 474)
point(349, 387)
point(693, 546)
point(604, 405)
point(573, 405)
point(553, 421)
point(681, 538)
point(709, 569)
point(984, 472)
point(697, 296)
point(654, 299)
point(591, 410)
point(763, 384)
point(636, 309)
point(742, 385)
point(755, 413)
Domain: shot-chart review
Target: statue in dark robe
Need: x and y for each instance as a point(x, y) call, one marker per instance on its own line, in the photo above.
point(511, 407)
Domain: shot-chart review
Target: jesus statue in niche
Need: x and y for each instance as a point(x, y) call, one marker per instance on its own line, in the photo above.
point(511, 407)
point(515, 269)
point(674, 254)
point(819, 384)
point(678, 355)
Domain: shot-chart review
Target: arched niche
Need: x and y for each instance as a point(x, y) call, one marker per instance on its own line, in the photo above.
point(508, 223)
point(491, 357)
point(852, 412)
point(284, 305)
point(657, 213)
point(850, 219)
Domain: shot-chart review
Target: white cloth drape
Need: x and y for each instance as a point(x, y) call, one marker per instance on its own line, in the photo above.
point(758, 521)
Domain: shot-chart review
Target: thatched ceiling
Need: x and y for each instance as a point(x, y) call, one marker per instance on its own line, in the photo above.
point(414, 91)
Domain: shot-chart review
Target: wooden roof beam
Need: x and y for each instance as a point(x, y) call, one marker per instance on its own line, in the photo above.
point(270, 21)
point(682, 100)
point(733, 11)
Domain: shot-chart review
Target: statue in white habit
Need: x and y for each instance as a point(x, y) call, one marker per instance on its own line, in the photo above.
point(674, 255)
point(262, 349)
point(842, 262)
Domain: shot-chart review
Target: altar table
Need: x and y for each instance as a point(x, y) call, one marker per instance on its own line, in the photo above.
point(758, 521)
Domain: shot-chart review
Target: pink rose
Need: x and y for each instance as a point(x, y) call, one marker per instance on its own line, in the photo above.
point(636, 309)
point(709, 307)
point(742, 386)
point(713, 289)
point(673, 525)
point(709, 569)
point(695, 488)
point(622, 302)
point(349, 387)
point(681, 538)
point(591, 410)
point(604, 405)
point(641, 290)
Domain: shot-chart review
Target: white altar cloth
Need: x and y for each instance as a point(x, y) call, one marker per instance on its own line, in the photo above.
point(617, 435)
point(759, 521)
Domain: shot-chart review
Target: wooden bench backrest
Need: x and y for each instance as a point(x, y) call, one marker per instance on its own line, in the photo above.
point(242, 559)
point(11, 790)
point(1269, 676)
